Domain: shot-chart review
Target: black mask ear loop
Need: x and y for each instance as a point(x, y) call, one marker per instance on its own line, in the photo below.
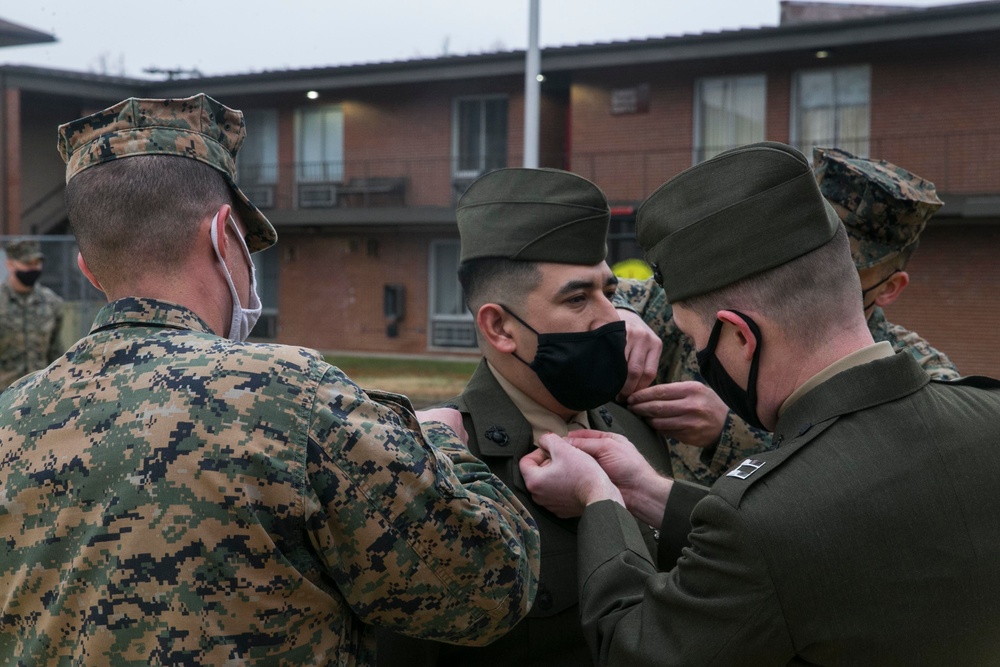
point(529, 327)
point(755, 362)
point(878, 284)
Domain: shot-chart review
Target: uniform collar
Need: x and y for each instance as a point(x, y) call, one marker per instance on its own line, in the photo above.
point(856, 358)
point(141, 312)
point(541, 419)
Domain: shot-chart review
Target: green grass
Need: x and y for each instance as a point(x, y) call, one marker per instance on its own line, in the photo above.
point(425, 381)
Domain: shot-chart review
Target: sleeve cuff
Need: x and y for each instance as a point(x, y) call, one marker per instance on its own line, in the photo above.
point(676, 525)
point(606, 529)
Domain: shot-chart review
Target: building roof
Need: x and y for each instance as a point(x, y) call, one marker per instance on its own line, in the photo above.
point(13, 34)
point(902, 29)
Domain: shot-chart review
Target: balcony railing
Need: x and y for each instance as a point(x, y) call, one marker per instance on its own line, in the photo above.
point(966, 163)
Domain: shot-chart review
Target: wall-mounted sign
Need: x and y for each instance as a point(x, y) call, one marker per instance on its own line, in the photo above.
point(630, 100)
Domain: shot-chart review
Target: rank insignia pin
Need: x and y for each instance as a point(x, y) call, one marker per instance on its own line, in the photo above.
point(745, 469)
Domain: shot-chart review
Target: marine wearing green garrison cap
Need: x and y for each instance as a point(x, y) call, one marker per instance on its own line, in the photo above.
point(534, 215)
point(743, 212)
point(195, 127)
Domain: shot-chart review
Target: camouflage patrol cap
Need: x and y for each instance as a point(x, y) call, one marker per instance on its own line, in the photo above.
point(23, 250)
point(743, 212)
point(194, 127)
point(534, 215)
point(883, 207)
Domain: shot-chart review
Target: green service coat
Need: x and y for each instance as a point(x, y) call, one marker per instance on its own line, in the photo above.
point(551, 635)
point(871, 536)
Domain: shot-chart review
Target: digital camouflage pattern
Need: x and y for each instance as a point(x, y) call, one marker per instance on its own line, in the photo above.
point(195, 127)
point(30, 327)
point(883, 207)
point(739, 440)
point(934, 362)
point(24, 250)
point(169, 497)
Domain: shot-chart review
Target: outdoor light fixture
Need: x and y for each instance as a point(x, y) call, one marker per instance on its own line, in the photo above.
point(312, 94)
point(822, 54)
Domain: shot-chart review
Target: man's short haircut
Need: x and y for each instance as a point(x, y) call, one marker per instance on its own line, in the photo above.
point(140, 214)
point(809, 297)
point(497, 280)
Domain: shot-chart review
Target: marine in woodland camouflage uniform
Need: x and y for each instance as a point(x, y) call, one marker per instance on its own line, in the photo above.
point(30, 314)
point(172, 497)
point(884, 209)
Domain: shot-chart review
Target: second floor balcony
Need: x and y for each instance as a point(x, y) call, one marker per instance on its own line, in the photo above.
point(959, 163)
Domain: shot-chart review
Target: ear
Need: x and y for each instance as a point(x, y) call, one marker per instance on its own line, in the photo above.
point(495, 329)
point(221, 220)
point(82, 263)
point(744, 337)
point(892, 288)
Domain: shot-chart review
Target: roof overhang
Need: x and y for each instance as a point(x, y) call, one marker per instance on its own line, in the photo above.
point(14, 34)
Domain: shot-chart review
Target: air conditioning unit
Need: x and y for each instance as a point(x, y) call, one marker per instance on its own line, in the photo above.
point(453, 334)
point(262, 196)
point(317, 195)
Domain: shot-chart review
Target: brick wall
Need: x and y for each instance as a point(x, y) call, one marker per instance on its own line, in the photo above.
point(952, 299)
point(330, 290)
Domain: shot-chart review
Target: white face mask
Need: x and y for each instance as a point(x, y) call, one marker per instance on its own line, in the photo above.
point(243, 318)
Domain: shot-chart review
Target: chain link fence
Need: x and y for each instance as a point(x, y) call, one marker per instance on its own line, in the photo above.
point(61, 274)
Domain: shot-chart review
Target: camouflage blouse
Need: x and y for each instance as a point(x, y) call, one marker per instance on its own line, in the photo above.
point(30, 325)
point(169, 497)
point(935, 363)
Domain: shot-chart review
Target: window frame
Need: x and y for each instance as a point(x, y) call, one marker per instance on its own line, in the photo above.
point(456, 170)
point(433, 316)
point(697, 147)
point(795, 122)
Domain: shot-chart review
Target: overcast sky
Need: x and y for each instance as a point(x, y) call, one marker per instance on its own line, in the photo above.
point(213, 38)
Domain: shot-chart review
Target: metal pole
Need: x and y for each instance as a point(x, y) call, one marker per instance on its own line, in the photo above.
point(532, 86)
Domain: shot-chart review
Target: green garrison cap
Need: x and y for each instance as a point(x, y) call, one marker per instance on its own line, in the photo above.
point(534, 215)
point(23, 250)
point(743, 212)
point(196, 127)
point(883, 207)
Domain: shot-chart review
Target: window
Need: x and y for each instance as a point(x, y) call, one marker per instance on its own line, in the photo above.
point(319, 144)
point(830, 107)
point(452, 324)
point(729, 112)
point(479, 130)
point(257, 162)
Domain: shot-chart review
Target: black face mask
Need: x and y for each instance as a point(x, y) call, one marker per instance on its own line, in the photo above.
point(581, 370)
point(28, 278)
point(743, 402)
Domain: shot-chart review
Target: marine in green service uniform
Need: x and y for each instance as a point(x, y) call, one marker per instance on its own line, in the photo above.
point(30, 314)
point(172, 495)
point(867, 535)
point(534, 275)
point(884, 209)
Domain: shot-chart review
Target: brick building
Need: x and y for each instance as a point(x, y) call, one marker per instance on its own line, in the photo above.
point(359, 166)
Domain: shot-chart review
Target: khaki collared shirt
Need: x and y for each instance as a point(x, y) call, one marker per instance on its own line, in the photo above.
point(863, 356)
point(542, 420)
